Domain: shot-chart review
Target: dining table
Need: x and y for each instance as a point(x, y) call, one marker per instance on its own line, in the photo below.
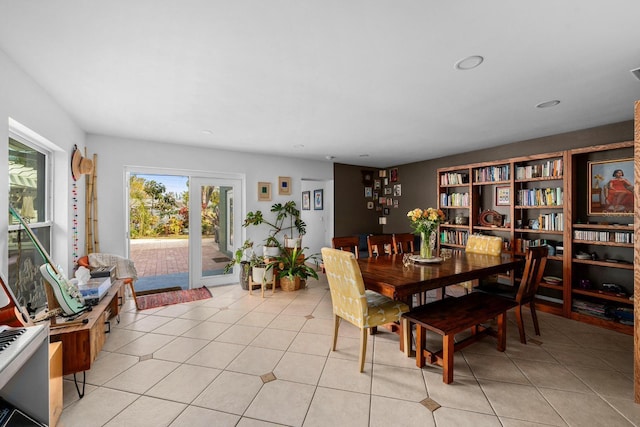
point(401, 279)
point(389, 275)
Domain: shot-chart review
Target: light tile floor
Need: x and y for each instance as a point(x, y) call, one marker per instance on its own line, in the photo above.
point(212, 363)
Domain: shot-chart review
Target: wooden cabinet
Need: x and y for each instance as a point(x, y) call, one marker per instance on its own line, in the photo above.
point(552, 199)
point(82, 343)
point(55, 383)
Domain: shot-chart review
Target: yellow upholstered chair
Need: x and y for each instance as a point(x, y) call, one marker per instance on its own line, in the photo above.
point(351, 302)
point(484, 245)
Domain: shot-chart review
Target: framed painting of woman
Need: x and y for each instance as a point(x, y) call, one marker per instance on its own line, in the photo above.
point(611, 187)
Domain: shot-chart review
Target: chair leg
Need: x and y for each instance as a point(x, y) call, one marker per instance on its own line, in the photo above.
point(336, 325)
point(534, 316)
point(523, 338)
point(363, 347)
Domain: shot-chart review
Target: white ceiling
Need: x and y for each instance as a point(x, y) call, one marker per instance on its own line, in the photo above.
point(318, 78)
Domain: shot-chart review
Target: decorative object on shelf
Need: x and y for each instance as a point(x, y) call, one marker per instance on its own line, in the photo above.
point(264, 191)
point(284, 185)
point(490, 218)
point(306, 200)
point(614, 197)
point(425, 222)
point(503, 196)
point(318, 200)
point(461, 219)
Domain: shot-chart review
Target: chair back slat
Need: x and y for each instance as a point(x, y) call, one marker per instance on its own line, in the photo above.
point(403, 243)
point(536, 261)
point(347, 243)
point(380, 244)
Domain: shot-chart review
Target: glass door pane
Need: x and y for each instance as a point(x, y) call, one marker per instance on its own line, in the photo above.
point(213, 226)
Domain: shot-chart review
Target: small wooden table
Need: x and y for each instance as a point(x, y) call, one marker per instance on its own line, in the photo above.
point(453, 315)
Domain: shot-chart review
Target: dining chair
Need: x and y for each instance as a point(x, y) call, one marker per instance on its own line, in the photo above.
point(403, 243)
point(484, 245)
point(380, 244)
point(524, 293)
point(347, 243)
point(351, 302)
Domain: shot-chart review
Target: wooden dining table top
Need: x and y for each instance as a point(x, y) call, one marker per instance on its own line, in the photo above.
point(387, 274)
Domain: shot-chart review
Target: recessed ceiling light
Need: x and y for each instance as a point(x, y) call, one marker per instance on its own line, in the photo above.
point(298, 146)
point(207, 132)
point(469, 63)
point(548, 104)
point(363, 155)
point(330, 157)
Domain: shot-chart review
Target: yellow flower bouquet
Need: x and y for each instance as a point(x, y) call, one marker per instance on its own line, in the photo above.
point(426, 223)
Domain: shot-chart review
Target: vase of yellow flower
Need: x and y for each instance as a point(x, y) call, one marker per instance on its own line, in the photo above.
point(426, 223)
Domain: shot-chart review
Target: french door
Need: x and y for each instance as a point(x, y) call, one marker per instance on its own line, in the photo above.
point(215, 212)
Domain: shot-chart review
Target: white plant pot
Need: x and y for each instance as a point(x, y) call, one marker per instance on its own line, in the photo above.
point(293, 242)
point(260, 273)
point(270, 251)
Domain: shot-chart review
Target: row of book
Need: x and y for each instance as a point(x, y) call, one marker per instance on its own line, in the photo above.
point(548, 169)
point(604, 236)
point(454, 199)
point(552, 221)
point(491, 174)
point(454, 178)
point(454, 237)
point(540, 197)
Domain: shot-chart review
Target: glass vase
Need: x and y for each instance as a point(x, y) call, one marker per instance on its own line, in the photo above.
point(426, 246)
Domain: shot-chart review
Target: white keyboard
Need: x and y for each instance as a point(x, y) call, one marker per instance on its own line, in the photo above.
point(16, 347)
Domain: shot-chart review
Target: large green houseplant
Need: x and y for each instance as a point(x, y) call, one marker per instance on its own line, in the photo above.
point(244, 257)
point(293, 269)
point(287, 221)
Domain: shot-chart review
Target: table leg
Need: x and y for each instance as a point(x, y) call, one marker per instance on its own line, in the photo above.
point(420, 344)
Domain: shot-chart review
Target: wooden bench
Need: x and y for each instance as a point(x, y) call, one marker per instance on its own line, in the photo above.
point(454, 315)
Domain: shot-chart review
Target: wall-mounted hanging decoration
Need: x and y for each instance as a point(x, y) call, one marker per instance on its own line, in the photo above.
point(264, 191)
point(306, 200)
point(80, 165)
point(284, 185)
point(318, 200)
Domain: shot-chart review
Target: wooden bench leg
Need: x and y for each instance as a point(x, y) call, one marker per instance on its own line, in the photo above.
point(502, 332)
point(447, 358)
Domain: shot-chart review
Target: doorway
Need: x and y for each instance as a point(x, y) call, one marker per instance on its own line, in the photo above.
point(181, 228)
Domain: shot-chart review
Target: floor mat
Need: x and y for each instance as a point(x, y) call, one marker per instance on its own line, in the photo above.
point(160, 299)
point(222, 259)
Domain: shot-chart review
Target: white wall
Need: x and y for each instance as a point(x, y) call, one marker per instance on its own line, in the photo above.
point(116, 154)
point(27, 103)
point(319, 235)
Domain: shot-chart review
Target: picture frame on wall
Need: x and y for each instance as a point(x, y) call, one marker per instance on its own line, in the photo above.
point(318, 202)
point(503, 196)
point(284, 185)
point(368, 192)
point(397, 190)
point(264, 191)
point(306, 200)
point(369, 205)
point(377, 184)
point(394, 174)
point(386, 211)
point(611, 187)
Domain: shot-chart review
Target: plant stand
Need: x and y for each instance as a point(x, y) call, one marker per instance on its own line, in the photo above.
point(262, 285)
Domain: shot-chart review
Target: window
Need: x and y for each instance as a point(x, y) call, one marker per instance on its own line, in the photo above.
point(29, 170)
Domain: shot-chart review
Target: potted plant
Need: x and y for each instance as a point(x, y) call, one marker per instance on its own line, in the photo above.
point(243, 257)
point(261, 270)
point(293, 269)
point(287, 211)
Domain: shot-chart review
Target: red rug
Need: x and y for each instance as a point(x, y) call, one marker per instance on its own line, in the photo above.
point(173, 297)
